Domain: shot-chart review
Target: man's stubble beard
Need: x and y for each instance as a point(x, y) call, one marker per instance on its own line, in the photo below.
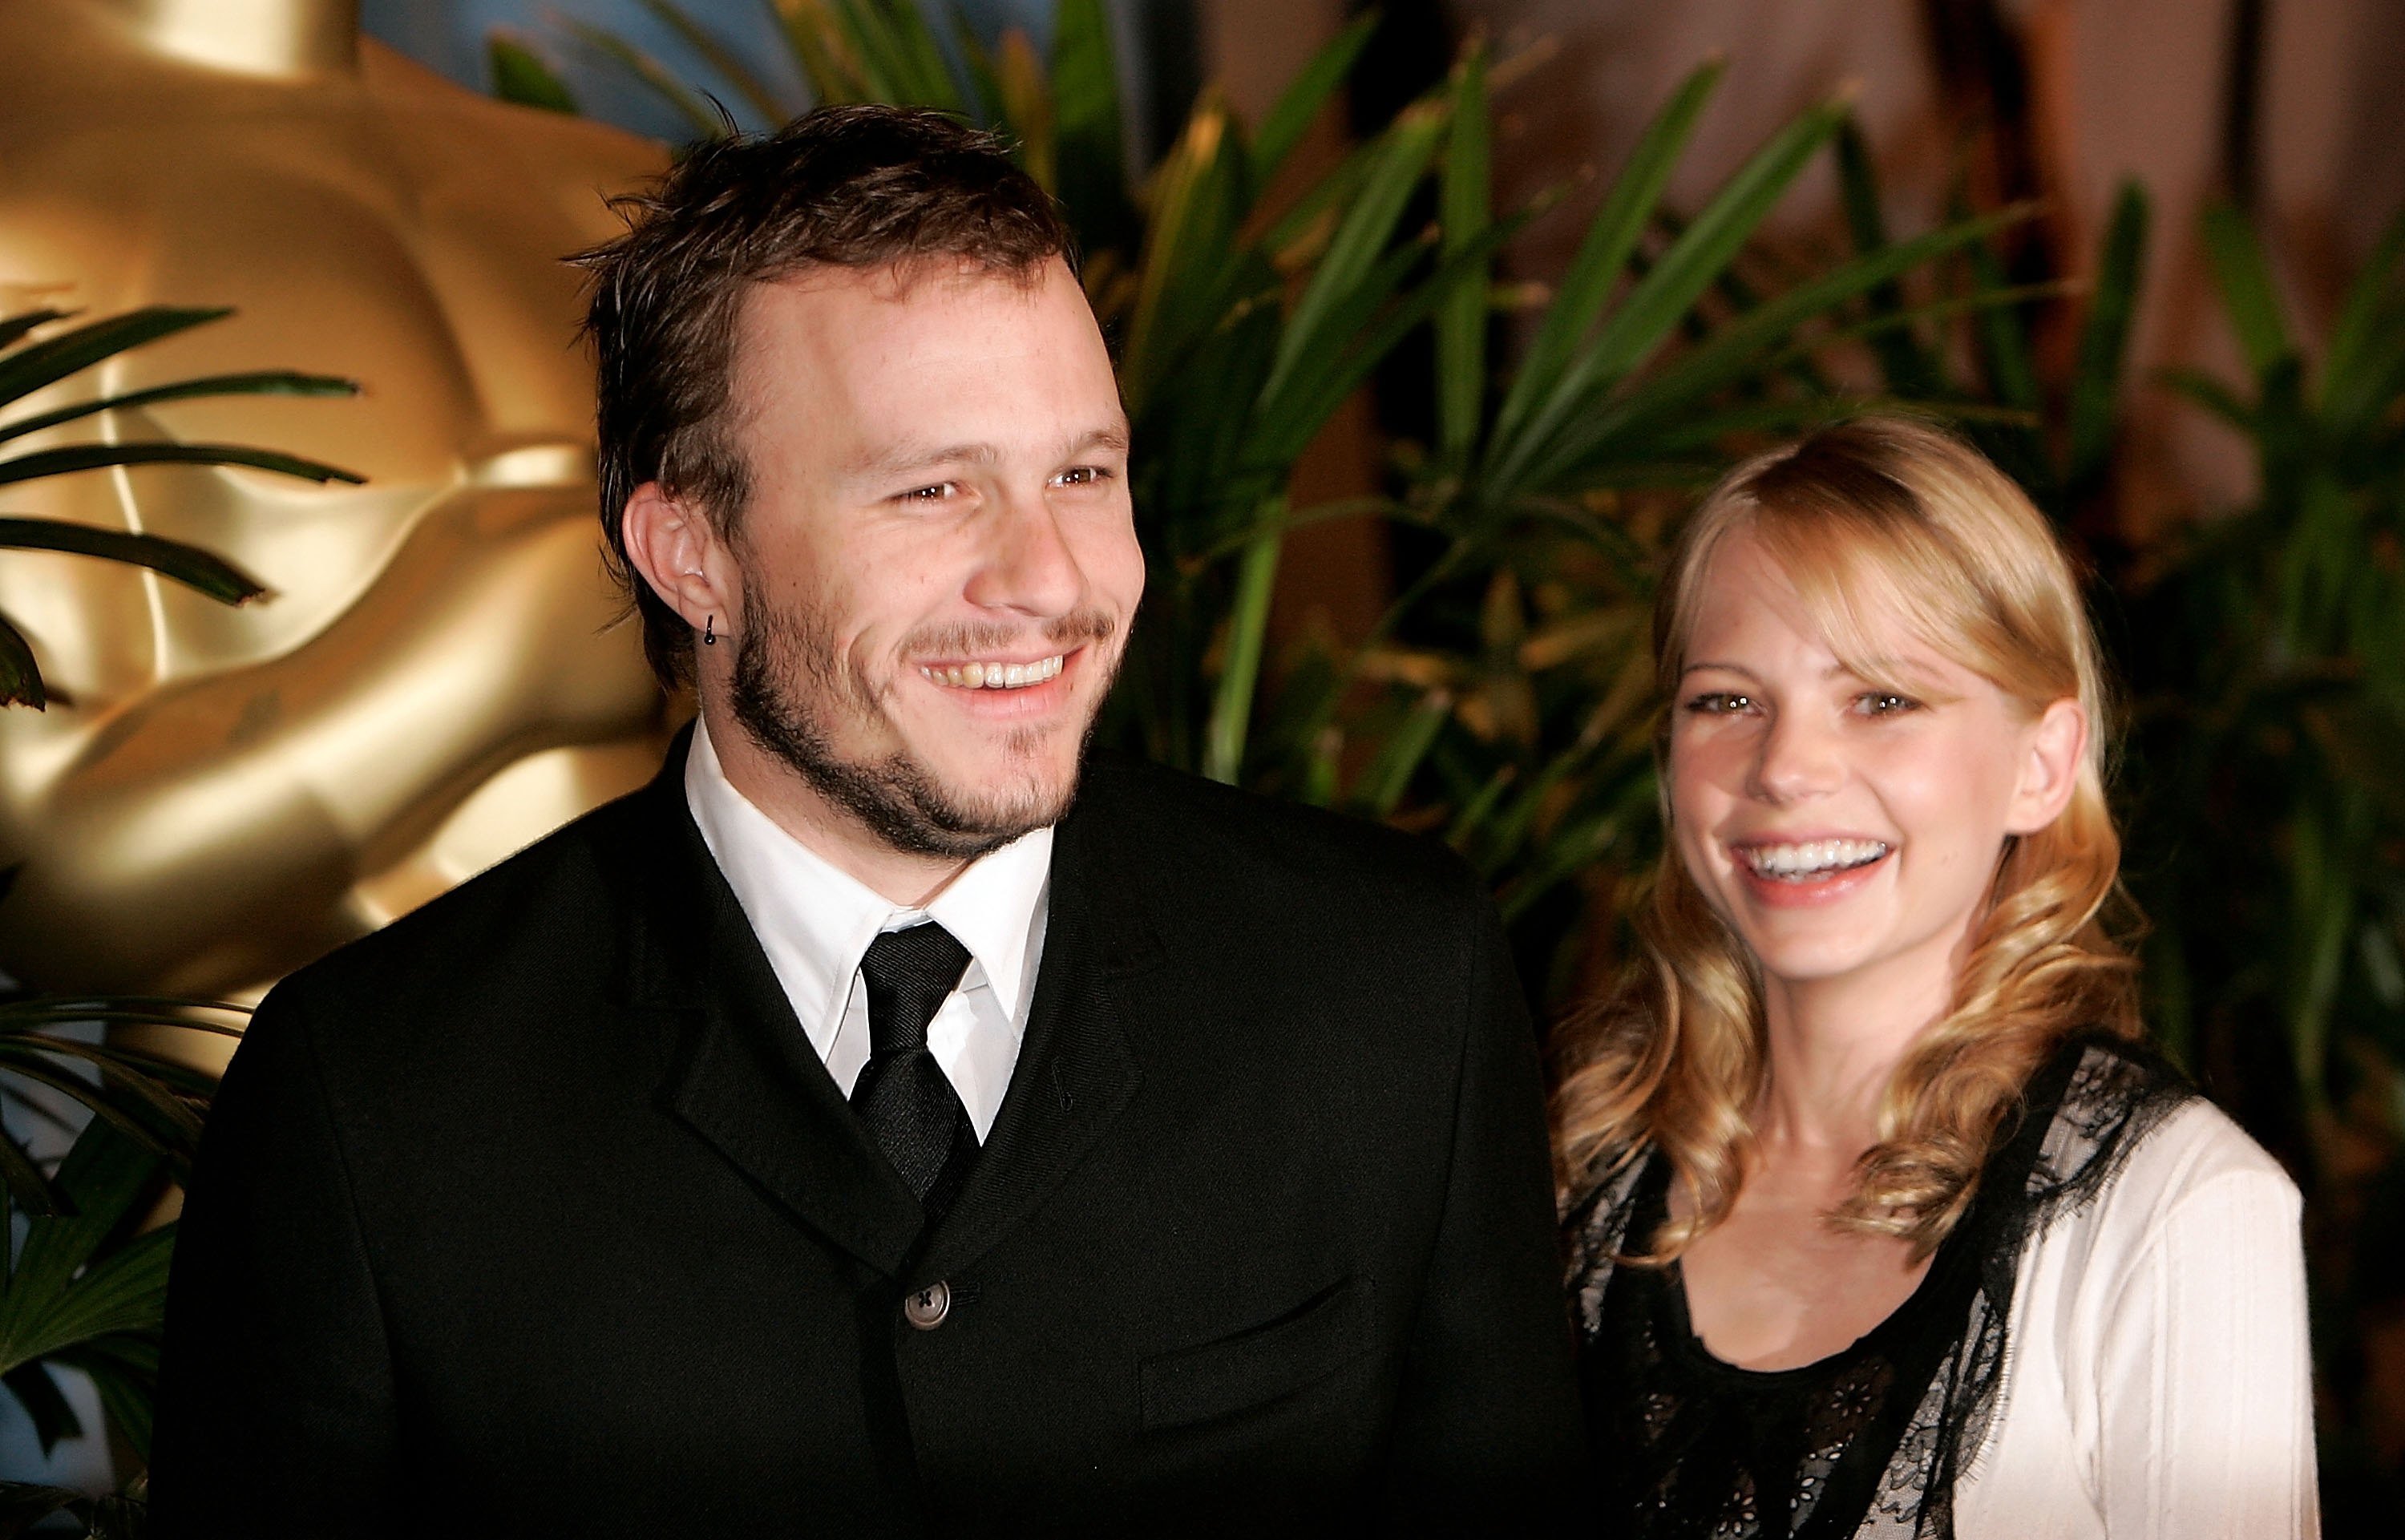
point(789, 681)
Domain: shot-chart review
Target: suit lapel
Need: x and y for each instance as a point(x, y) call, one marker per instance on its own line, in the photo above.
point(742, 1074)
point(1074, 1073)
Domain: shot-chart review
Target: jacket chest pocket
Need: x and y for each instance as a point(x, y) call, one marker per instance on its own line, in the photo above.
point(1259, 1365)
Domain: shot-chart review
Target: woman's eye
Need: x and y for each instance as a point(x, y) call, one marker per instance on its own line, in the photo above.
point(1885, 703)
point(1720, 703)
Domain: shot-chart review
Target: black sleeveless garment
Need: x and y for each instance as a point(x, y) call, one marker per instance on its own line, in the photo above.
point(1869, 1441)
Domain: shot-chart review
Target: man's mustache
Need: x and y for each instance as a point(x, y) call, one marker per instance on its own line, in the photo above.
point(1075, 628)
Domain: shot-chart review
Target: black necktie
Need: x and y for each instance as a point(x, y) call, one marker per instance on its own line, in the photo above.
point(902, 1095)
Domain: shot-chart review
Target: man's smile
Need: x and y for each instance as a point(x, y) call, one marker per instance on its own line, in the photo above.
point(995, 674)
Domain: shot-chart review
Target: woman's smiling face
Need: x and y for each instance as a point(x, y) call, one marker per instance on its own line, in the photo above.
point(1845, 817)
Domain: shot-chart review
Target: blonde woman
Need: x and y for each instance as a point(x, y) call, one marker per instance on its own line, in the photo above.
point(1883, 1221)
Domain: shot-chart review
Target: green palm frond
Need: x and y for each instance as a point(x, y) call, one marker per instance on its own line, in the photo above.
point(27, 367)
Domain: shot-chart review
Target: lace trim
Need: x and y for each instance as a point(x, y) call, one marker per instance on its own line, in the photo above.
point(1689, 1458)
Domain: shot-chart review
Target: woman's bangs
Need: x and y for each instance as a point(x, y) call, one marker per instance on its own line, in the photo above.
point(1874, 587)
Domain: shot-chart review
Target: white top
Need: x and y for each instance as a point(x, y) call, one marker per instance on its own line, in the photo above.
point(815, 922)
point(2156, 1382)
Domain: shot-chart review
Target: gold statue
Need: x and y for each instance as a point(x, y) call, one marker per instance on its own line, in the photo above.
point(225, 794)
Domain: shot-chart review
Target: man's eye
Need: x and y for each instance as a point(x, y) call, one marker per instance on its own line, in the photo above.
point(1719, 703)
point(1081, 475)
point(936, 493)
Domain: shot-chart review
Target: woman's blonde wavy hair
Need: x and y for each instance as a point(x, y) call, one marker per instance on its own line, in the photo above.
point(1876, 517)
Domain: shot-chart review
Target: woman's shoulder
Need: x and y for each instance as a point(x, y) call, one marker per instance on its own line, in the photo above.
point(2196, 1149)
point(2134, 1149)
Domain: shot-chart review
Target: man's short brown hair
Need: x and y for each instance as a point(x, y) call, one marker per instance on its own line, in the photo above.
point(854, 187)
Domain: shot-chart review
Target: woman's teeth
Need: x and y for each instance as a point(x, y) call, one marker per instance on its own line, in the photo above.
point(997, 676)
point(1810, 859)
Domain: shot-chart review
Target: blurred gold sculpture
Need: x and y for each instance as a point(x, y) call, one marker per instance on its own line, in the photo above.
point(224, 794)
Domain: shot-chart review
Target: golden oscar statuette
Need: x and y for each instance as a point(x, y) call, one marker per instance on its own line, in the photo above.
point(224, 794)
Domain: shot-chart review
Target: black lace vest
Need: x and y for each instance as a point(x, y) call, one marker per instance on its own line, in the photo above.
point(1869, 1441)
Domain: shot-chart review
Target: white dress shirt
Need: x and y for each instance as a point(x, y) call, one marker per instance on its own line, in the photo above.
point(816, 922)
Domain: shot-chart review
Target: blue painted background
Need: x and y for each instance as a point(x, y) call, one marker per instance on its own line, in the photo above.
point(1156, 47)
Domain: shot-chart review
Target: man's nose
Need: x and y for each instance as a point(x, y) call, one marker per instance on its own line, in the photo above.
point(1028, 564)
point(1796, 759)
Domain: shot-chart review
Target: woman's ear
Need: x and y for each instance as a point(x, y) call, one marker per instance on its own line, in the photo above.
point(676, 549)
point(2052, 751)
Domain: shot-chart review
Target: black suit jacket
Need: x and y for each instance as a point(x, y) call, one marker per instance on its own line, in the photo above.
point(535, 1213)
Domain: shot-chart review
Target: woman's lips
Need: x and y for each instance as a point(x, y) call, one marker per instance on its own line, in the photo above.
point(1809, 873)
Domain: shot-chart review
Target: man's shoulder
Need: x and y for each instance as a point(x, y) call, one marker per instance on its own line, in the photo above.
point(1199, 832)
point(562, 897)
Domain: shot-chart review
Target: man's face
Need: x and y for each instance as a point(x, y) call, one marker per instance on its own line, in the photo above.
point(938, 559)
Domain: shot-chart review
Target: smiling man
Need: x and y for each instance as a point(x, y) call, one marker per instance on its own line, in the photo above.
point(888, 1122)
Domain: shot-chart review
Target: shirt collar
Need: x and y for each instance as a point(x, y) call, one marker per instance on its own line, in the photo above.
point(815, 921)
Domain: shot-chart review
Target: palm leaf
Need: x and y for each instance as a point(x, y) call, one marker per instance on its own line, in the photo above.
point(1463, 213)
point(1654, 305)
point(1362, 239)
point(20, 677)
point(1093, 154)
point(725, 61)
point(272, 382)
point(1372, 328)
point(1013, 76)
point(1909, 365)
point(1231, 704)
point(1737, 348)
point(1399, 758)
point(1541, 385)
point(2104, 338)
point(819, 45)
point(2004, 344)
point(1185, 262)
point(899, 59)
point(189, 565)
point(28, 1188)
point(1291, 116)
point(102, 1177)
point(103, 457)
point(520, 74)
point(54, 358)
point(699, 113)
point(13, 329)
point(186, 563)
point(2359, 373)
point(2248, 295)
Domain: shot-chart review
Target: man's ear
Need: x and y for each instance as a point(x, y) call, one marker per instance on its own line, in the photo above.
point(674, 547)
point(2051, 755)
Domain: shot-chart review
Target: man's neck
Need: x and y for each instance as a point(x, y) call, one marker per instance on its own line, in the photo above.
point(830, 832)
point(288, 37)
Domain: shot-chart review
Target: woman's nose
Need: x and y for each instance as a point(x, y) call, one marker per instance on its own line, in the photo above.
point(1796, 759)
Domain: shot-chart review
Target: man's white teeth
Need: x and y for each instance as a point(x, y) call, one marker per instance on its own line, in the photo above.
point(997, 676)
point(1812, 858)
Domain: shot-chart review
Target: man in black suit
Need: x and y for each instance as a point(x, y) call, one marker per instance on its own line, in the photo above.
point(873, 1127)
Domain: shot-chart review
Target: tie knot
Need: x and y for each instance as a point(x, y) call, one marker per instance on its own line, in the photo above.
point(908, 974)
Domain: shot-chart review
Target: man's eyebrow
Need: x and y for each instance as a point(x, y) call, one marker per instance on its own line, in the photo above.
point(904, 458)
point(1113, 438)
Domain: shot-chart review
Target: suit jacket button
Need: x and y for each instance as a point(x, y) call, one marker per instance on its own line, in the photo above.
point(927, 1308)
